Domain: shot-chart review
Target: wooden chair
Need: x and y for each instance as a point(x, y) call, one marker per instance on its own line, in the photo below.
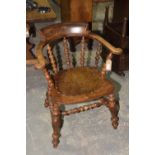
point(74, 84)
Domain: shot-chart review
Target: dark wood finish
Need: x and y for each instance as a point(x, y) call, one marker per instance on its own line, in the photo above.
point(75, 84)
point(56, 123)
point(113, 107)
point(118, 34)
point(85, 107)
point(121, 10)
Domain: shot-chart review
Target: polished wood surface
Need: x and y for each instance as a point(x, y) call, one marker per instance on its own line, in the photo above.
point(86, 81)
point(74, 84)
point(34, 16)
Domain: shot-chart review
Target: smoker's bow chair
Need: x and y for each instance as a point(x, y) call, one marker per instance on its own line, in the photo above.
point(74, 84)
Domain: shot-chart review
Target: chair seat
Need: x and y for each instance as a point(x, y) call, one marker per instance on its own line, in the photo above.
point(82, 81)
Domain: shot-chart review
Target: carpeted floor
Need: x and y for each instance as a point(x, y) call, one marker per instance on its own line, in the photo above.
point(87, 133)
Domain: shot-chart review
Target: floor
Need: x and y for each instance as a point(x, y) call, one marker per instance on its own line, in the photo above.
point(91, 135)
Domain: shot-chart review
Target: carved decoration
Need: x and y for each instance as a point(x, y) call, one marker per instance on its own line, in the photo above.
point(48, 78)
point(52, 58)
point(66, 51)
point(98, 52)
point(82, 53)
point(56, 124)
point(84, 108)
point(113, 107)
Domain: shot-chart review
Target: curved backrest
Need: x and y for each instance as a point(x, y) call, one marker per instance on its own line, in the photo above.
point(57, 31)
point(51, 35)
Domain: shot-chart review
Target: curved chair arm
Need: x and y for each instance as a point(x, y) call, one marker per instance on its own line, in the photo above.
point(40, 57)
point(112, 49)
point(42, 61)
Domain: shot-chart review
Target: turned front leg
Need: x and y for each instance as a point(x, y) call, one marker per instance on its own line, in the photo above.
point(56, 124)
point(113, 107)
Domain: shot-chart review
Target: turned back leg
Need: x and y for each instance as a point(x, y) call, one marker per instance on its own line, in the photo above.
point(113, 106)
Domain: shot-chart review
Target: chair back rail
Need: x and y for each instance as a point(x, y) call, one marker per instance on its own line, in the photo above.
point(63, 32)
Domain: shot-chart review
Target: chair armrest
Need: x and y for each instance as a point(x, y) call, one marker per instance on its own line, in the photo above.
point(40, 57)
point(104, 42)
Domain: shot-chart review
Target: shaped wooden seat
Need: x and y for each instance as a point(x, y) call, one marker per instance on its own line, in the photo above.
point(80, 81)
point(74, 84)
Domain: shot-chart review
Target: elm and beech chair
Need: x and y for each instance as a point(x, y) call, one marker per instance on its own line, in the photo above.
point(75, 84)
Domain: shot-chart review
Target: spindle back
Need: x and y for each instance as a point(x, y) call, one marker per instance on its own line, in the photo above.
point(56, 40)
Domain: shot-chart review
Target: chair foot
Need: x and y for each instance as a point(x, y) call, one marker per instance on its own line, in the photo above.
point(114, 109)
point(115, 122)
point(56, 124)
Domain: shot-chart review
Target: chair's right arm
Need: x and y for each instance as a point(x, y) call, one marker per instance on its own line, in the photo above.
point(41, 61)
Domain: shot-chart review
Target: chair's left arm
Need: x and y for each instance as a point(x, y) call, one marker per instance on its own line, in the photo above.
point(41, 64)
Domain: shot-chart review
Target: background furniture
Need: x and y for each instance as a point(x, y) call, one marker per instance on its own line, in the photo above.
point(117, 33)
point(73, 83)
point(29, 46)
point(121, 10)
point(32, 17)
point(77, 11)
point(35, 16)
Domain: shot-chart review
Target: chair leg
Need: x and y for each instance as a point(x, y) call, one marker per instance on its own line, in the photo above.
point(46, 103)
point(56, 123)
point(113, 107)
